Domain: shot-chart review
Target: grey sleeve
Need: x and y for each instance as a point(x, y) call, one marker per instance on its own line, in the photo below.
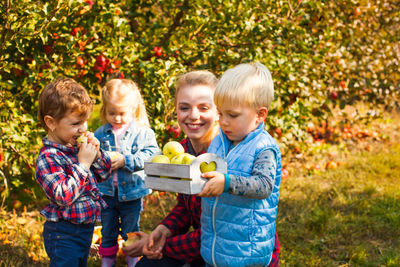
point(261, 182)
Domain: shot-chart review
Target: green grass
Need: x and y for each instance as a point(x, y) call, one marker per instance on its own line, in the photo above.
point(347, 216)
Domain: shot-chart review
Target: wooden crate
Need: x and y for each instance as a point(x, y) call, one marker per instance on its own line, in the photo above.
point(180, 178)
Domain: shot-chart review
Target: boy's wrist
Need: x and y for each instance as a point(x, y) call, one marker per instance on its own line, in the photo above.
point(227, 182)
point(85, 166)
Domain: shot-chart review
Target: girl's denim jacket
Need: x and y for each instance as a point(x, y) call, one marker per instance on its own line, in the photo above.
point(137, 145)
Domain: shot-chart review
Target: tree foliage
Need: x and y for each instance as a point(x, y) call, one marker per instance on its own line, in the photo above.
point(321, 54)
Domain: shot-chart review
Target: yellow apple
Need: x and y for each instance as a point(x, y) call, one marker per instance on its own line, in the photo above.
point(173, 148)
point(113, 155)
point(207, 167)
point(184, 158)
point(188, 158)
point(81, 139)
point(178, 159)
point(160, 159)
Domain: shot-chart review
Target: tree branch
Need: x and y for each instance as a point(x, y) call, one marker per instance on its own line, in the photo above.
point(176, 23)
point(44, 25)
point(5, 15)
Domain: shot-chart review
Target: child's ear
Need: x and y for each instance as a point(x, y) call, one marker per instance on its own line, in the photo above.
point(262, 113)
point(50, 122)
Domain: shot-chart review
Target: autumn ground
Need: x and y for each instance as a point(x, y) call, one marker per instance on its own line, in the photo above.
point(339, 204)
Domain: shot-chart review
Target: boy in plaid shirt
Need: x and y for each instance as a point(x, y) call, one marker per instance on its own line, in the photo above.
point(68, 173)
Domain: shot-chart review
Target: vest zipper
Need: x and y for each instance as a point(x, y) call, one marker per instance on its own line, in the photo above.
point(215, 205)
point(215, 232)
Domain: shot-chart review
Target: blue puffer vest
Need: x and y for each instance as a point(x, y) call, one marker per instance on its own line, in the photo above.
point(137, 145)
point(235, 230)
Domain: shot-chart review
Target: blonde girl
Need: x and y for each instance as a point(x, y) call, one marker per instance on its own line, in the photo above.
point(127, 135)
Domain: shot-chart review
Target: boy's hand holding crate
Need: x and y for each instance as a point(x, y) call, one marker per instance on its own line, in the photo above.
point(183, 172)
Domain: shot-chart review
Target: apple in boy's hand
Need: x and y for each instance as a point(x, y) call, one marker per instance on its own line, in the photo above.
point(132, 238)
point(207, 167)
point(81, 139)
point(173, 148)
point(160, 159)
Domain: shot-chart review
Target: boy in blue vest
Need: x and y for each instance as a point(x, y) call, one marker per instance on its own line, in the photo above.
point(239, 208)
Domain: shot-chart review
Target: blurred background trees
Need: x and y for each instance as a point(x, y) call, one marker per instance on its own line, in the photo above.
point(322, 55)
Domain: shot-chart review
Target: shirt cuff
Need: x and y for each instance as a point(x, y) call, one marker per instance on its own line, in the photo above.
point(83, 170)
point(83, 167)
point(227, 182)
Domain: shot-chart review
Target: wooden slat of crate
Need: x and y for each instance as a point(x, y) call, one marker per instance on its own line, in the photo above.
point(167, 184)
point(170, 170)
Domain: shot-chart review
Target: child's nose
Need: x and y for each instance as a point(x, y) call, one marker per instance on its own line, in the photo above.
point(83, 128)
point(222, 121)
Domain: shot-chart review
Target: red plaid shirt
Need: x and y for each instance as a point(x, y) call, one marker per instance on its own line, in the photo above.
point(71, 189)
point(184, 245)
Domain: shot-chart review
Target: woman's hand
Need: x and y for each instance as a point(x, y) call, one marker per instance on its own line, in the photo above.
point(136, 249)
point(153, 248)
point(213, 187)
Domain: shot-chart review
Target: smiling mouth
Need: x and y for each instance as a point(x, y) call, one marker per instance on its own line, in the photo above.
point(194, 126)
point(117, 125)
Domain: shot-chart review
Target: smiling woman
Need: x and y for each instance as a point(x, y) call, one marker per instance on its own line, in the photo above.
point(197, 117)
point(170, 243)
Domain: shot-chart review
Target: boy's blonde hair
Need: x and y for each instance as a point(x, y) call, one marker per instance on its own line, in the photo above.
point(246, 85)
point(61, 97)
point(197, 77)
point(119, 89)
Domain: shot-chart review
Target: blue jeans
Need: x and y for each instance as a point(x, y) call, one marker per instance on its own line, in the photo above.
point(67, 244)
point(119, 218)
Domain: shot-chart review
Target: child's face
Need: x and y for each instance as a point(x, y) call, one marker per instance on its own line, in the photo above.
point(66, 130)
point(119, 113)
point(238, 121)
point(196, 112)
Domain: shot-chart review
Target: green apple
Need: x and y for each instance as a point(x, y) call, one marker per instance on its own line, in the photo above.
point(184, 158)
point(178, 159)
point(160, 159)
point(113, 155)
point(207, 167)
point(188, 158)
point(173, 148)
point(81, 139)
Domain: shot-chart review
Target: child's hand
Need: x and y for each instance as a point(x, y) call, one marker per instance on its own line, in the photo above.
point(118, 162)
point(94, 141)
point(88, 137)
point(215, 186)
point(87, 154)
